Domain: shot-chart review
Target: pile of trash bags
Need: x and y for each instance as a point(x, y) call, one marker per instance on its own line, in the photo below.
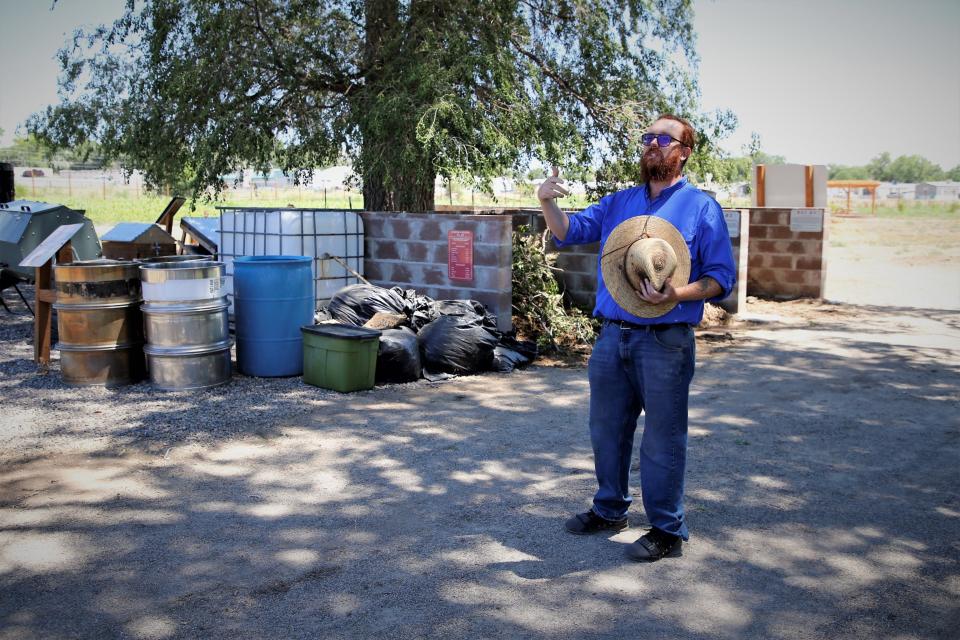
point(423, 337)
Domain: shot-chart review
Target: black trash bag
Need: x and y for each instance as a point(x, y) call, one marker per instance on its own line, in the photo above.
point(424, 312)
point(398, 357)
point(457, 344)
point(467, 307)
point(526, 348)
point(506, 360)
point(358, 303)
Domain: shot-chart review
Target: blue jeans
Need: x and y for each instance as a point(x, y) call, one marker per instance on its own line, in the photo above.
point(634, 370)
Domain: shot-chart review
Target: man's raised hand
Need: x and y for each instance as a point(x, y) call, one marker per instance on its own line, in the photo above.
point(552, 187)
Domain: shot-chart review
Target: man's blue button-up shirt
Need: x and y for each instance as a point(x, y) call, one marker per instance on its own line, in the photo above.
point(696, 215)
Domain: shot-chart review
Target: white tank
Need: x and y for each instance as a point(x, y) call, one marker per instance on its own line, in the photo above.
point(295, 232)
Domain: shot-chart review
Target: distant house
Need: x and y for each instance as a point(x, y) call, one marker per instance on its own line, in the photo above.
point(940, 190)
point(902, 190)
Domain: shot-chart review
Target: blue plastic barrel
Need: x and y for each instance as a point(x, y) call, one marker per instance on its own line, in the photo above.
point(272, 299)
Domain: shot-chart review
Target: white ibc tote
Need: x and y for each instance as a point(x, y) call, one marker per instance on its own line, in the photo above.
point(295, 232)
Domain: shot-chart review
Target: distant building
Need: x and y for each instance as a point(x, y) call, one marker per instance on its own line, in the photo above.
point(901, 190)
point(940, 190)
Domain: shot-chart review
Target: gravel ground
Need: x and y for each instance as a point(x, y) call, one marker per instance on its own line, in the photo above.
point(822, 499)
point(134, 413)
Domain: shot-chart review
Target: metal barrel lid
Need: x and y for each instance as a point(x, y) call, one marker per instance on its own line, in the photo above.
point(100, 270)
point(342, 331)
point(156, 272)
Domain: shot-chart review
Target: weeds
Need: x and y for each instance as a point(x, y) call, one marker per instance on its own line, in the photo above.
point(538, 310)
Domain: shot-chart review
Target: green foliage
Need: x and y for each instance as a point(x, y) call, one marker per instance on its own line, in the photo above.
point(29, 151)
point(916, 210)
point(913, 168)
point(731, 170)
point(538, 309)
point(879, 168)
point(188, 91)
point(841, 172)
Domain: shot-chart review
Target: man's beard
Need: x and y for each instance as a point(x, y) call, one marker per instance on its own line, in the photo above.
point(659, 166)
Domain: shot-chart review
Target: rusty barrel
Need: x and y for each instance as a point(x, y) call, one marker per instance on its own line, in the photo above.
point(99, 322)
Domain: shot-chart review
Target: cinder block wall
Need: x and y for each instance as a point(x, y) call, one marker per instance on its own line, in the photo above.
point(783, 263)
point(409, 250)
point(579, 263)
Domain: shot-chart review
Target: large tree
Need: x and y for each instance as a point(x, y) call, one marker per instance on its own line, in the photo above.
point(404, 90)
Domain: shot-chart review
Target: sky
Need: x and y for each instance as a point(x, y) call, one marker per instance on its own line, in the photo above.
point(821, 81)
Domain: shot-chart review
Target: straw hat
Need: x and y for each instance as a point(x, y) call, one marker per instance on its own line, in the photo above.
point(644, 247)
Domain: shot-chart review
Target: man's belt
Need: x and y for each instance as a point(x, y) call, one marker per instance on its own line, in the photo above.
point(624, 324)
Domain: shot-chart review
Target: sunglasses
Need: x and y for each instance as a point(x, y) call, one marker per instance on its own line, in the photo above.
point(663, 139)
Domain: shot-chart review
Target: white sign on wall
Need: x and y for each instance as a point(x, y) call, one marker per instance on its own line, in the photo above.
point(733, 223)
point(806, 220)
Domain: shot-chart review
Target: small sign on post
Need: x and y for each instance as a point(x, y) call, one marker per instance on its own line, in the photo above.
point(460, 255)
point(41, 258)
point(806, 220)
point(733, 222)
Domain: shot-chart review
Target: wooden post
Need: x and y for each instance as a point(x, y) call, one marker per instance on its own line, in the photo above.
point(43, 314)
point(43, 305)
point(873, 200)
point(848, 201)
point(761, 185)
point(809, 180)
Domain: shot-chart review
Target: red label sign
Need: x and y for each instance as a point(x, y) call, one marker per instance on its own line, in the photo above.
point(460, 255)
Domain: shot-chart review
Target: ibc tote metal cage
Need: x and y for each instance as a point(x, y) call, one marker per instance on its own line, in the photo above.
point(254, 231)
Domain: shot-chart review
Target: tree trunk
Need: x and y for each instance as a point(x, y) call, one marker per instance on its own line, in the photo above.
point(412, 191)
point(395, 176)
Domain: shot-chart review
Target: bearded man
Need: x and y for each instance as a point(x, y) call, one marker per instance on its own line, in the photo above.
point(643, 360)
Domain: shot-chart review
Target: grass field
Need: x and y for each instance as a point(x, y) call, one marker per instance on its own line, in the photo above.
point(121, 205)
point(112, 204)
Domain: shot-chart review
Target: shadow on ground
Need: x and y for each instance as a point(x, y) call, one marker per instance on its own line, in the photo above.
point(821, 497)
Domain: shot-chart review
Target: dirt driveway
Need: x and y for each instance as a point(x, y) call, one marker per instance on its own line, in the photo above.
point(822, 499)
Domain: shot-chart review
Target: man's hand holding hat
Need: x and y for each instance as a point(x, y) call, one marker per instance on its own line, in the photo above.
point(649, 294)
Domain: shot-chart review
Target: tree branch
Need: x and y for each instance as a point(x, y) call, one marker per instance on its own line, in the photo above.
point(562, 82)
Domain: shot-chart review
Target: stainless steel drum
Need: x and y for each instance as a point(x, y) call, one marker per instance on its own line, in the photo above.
point(99, 322)
point(187, 331)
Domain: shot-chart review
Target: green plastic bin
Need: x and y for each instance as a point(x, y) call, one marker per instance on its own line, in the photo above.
point(340, 357)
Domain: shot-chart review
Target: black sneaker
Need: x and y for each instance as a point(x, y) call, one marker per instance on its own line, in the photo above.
point(655, 544)
point(584, 524)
